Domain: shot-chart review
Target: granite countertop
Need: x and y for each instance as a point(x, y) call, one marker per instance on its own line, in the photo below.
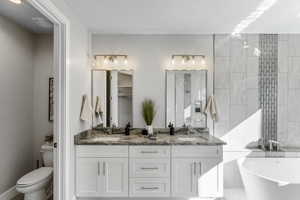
point(97, 137)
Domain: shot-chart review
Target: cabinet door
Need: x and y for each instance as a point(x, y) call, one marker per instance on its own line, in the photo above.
point(87, 177)
point(184, 177)
point(115, 177)
point(208, 177)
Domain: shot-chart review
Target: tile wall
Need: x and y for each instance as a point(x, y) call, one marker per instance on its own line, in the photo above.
point(236, 80)
point(289, 90)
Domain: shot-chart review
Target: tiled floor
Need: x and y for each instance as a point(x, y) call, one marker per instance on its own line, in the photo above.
point(234, 194)
point(19, 197)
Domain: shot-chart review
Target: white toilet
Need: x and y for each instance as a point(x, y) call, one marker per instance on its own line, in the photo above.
point(33, 185)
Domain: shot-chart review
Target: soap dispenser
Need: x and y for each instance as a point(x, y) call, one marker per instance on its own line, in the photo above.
point(171, 127)
point(127, 129)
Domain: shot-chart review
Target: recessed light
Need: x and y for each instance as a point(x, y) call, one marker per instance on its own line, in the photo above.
point(16, 1)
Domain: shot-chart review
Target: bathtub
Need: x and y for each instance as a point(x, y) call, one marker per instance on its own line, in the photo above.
point(271, 178)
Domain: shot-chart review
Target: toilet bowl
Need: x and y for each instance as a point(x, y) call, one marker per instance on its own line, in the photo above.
point(33, 185)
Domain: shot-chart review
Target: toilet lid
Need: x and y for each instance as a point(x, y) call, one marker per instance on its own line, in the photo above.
point(35, 176)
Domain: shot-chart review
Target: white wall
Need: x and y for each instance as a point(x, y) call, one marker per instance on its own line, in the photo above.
point(16, 119)
point(43, 69)
point(150, 54)
point(79, 81)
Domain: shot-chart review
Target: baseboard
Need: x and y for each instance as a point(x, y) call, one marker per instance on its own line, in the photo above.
point(9, 194)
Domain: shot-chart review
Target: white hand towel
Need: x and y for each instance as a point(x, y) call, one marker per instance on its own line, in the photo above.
point(211, 108)
point(86, 109)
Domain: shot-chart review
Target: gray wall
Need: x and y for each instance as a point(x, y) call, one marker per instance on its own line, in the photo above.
point(16, 118)
point(24, 116)
point(43, 69)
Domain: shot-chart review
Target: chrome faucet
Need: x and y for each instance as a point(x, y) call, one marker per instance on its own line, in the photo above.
point(271, 142)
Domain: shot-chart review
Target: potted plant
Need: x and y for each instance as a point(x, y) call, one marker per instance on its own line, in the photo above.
point(148, 112)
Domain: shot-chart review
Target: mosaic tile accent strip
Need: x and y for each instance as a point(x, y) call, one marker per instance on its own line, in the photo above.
point(268, 84)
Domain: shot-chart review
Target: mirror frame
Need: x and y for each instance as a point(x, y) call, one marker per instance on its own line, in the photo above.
point(92, 91)
point(166, 88)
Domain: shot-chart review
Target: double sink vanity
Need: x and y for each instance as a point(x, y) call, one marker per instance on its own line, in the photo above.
point(112, 164)
point(116, 165)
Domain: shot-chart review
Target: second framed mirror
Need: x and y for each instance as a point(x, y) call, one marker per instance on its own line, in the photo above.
point(186, 96)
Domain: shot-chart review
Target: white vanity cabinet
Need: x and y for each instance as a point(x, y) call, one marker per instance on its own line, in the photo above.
point(101, 172)
point(148, 171)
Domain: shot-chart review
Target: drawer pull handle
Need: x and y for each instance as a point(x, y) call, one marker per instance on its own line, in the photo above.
point(200, 168)
point(104, 170)
point(195, 165)
point(149, 188)
point(149, 151)
point(98, 168)
point(149, 168)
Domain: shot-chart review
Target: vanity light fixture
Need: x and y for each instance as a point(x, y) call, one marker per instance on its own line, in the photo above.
point(187, 62)
point(16, 1)
point(111, 62)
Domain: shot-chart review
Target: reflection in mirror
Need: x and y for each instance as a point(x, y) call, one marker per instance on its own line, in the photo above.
point(112, 98)
point(186, 98)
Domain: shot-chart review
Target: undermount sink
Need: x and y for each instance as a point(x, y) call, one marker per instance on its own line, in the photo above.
point(186, 139)
point(108, 139)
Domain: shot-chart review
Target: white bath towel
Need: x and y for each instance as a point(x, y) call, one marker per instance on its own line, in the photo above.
point(211, 108)
point(86, 109)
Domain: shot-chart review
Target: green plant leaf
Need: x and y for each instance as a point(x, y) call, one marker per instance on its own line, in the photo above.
point(148, 111)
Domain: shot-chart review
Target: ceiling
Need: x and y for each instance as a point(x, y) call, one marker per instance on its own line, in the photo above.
point(186, 16)
point(26, 16)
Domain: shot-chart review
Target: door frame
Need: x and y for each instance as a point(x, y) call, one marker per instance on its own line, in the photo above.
point(62, 153)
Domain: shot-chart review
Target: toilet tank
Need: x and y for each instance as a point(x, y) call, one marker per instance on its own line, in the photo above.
point(47, 154)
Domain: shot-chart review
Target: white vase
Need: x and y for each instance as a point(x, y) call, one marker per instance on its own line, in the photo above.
point(149, 129)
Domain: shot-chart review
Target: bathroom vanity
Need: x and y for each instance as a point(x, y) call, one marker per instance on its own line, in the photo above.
point(116, 165)
point(187, 164)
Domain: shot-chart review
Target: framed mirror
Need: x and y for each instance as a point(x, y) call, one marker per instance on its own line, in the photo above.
point(112, 98)
point(186, 96)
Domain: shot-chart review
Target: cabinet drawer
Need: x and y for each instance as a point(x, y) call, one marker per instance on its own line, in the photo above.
point(149, 151)
point(159, 167)
point(149, 187)
point(104, 151)
point(186, 151)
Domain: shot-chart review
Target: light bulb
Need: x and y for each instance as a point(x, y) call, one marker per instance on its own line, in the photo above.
point(125, 61)
point(203, 62)
point(105, 60)
point(16, 1)
point(173, 61)
point(183, 60)
point(193, 61)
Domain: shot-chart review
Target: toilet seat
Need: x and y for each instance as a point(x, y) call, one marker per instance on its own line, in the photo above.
point(34, 177)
